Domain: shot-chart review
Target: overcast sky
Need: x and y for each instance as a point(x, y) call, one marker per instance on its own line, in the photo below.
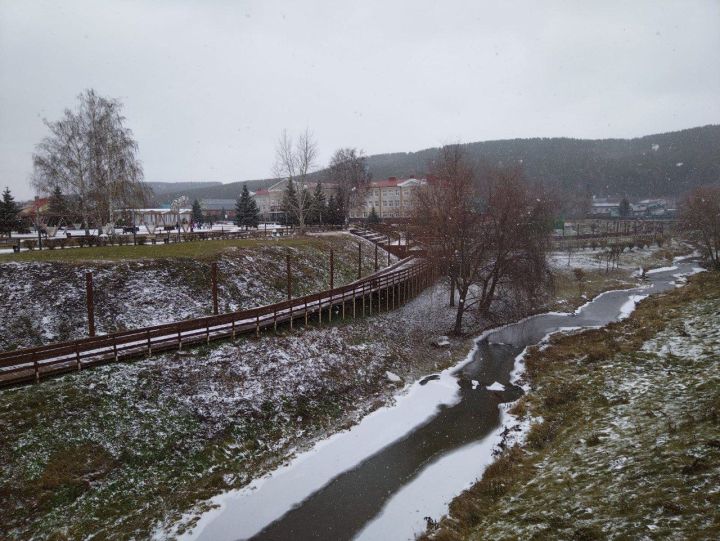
point(209, 85)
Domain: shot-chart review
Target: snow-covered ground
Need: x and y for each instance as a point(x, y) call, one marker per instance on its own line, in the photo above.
point(44, 302)
point(593, 259)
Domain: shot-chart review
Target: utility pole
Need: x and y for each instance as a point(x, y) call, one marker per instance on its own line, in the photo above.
point(90, 303)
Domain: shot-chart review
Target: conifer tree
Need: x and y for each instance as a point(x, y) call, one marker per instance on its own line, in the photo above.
point(340, 211)
point(331, 214)
point(624, 208)
point(373, 217)
point(252, 212)
point(290, 204)
point(57, 207)
point(197, 215)
point(241, 207)
point(319, 206)
point(9, 213)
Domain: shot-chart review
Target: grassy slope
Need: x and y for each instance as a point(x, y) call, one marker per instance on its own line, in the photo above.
point(201, 249)
point(629, 442)
point(44, 301)
point(137, 444)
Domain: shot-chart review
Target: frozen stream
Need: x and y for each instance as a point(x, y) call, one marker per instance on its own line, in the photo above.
point(400, 464)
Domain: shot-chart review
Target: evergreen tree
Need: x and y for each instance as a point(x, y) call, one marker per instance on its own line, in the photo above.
point(252, 212)
point(57, 207)
point(624, 208)
point(241, 207)
point(331, 214)
point(197, 215)
point(373, 217)
point(9, 214)
point(290, 204)
point(319, 211)
point(340, 211)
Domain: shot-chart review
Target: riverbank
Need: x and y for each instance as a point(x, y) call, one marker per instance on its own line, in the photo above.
point(624, 440)
point(140, 446)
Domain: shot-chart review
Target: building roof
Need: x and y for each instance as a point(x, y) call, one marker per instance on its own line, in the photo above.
point(39, 204)
point(395, 182)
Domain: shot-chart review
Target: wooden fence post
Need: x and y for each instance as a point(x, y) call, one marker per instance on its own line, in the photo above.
point(90, 303)
point(213, 275)
point(289, 278)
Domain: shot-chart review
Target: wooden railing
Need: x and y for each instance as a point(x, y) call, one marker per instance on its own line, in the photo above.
point(382, 291)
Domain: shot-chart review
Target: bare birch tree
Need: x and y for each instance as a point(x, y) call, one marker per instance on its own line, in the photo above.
point(294, 161)
point(489, 232)
point(91, 156)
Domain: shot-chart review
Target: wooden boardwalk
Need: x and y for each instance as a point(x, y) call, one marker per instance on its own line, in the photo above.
point(382, 291)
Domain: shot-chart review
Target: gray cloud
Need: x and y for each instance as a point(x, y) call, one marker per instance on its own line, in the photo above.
point(208, 86)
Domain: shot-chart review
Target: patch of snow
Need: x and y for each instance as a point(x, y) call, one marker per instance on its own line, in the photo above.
point(662, 269)
point(391, 376)
point(497, 386)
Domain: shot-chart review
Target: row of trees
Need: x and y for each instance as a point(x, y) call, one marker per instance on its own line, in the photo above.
point(296, 160)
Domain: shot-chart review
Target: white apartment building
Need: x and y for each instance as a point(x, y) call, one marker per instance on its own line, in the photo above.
point(391, 198)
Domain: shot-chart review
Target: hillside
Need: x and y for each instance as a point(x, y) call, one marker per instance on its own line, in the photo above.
point(205, 190)
point(660, 164)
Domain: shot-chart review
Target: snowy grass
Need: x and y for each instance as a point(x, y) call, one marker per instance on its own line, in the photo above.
point(626, 437)
point(202, 249)
point(126, 450)
point(45, 301)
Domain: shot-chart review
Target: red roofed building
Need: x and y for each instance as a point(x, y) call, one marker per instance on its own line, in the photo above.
point(38, 206)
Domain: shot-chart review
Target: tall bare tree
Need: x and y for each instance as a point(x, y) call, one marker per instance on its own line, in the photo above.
point(348, 169)
point(700, 218)
point(91, 156)
point(489, 231)
point(294, 161)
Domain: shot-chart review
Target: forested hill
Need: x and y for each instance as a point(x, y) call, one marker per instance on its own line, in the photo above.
point(661, 164)
point(665, 164)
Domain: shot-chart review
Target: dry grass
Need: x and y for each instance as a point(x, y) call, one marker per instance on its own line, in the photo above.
point(570, 381)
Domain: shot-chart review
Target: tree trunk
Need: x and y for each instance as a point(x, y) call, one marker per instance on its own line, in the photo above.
point(452, 291)
point(457, 329)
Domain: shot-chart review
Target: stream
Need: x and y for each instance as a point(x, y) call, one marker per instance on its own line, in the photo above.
point(400, 464)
